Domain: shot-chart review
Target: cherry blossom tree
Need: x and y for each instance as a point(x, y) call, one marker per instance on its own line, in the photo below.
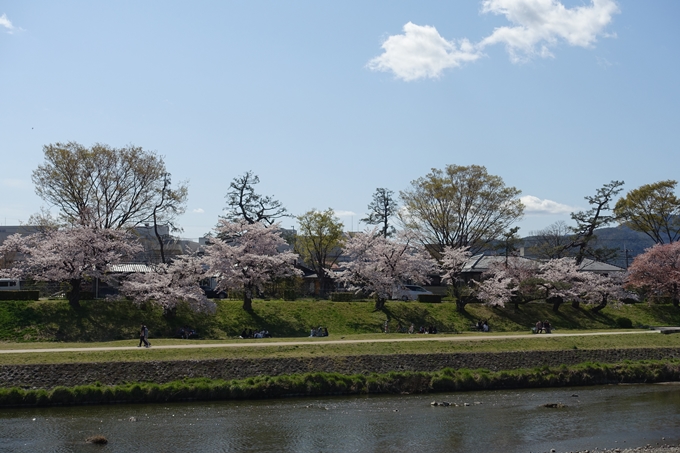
point(170, 284)
point(382, 265)
point(560, 280)
point(509, 281)
point(498, 289)
point(555, 281)
point(10, 251)
point(246, 256)
point(452, 263)
point(657, 272)
point(599, 289)
point(70, 255)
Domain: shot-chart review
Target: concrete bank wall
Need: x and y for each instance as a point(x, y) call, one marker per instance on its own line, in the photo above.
point(109, 373)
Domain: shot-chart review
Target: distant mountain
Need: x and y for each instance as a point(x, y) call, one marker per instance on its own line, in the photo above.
point(621, 238)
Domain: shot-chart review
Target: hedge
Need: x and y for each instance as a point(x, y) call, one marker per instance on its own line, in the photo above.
point(432, 298)
point(19, 295)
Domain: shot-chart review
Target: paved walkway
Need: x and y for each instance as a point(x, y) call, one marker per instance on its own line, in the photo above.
point(324, 342)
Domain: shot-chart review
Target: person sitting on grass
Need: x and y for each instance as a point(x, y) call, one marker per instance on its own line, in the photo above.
point(539, 326)
point(485, 326)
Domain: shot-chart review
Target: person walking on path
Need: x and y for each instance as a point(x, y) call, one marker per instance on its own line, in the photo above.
point(144, 337)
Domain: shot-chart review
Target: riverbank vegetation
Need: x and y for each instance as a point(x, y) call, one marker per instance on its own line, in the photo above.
point(103, 320)
point(319, 384)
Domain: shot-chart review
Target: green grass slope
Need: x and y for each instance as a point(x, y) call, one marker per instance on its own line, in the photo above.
point(27, 321)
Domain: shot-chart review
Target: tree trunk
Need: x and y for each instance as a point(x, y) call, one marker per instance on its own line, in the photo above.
point(159, 238)
point(556, 302)
point(601, 305)
point(248, 299)
point(74, 294)
point(516, 300)
point(676, 302)
point(461, 302)
point(575, 304)
point(379, 303)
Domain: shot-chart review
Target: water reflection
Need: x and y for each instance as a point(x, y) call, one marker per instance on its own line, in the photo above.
point(509, 421)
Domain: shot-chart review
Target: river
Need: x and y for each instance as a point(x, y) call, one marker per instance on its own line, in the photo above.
point(494, 421)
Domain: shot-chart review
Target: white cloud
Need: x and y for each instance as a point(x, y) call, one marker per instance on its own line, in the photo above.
point(341, 213)
point(537, 26)
point(421, 52)
point(5, 22)
point(198, 211)
point(534, 205)
point(541, 24)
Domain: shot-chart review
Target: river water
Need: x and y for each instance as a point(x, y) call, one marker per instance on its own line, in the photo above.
point(495, 421)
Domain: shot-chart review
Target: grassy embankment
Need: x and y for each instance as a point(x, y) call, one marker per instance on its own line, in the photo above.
point(50, 324)
point(49, 321)
point(317, 384)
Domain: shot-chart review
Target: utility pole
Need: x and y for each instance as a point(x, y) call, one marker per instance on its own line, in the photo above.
point(625, 251)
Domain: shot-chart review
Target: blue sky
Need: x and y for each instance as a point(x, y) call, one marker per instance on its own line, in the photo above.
point(326, 101)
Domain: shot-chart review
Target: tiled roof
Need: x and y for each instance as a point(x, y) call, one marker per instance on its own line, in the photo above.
point(481, 263)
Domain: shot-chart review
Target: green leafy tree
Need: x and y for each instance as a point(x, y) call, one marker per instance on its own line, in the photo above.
point(381, 210)
point(101, 186)
point(460, 207)
point(170, 204)
point(552, 241)
point(319, 242)
point(652, 209)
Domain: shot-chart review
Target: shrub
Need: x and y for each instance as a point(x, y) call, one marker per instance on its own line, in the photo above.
point(624, 323)
point(84, 295)
point(19, 295)
point(61, 395)
point(431, 298)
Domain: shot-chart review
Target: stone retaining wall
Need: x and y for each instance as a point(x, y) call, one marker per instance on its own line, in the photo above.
point(110, 373)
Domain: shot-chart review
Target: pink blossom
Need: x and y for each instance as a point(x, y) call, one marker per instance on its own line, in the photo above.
point(381, 265)
point(170, 284)
point(246, 256)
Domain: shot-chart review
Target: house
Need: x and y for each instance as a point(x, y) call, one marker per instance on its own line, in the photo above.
point(478, 264)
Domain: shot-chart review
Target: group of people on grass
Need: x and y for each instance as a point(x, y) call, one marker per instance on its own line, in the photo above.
point(412, 329)
point(249, 333)
point(543, 327)
point(482, 325)
point(318, 332)
point(187, 332)
point(425, 330)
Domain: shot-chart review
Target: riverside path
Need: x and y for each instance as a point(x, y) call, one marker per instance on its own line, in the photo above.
point(324, 340)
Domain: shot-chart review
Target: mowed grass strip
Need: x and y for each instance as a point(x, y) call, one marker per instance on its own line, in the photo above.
point(471, 343)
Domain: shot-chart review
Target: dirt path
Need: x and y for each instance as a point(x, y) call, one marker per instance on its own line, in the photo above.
point(265, 343)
